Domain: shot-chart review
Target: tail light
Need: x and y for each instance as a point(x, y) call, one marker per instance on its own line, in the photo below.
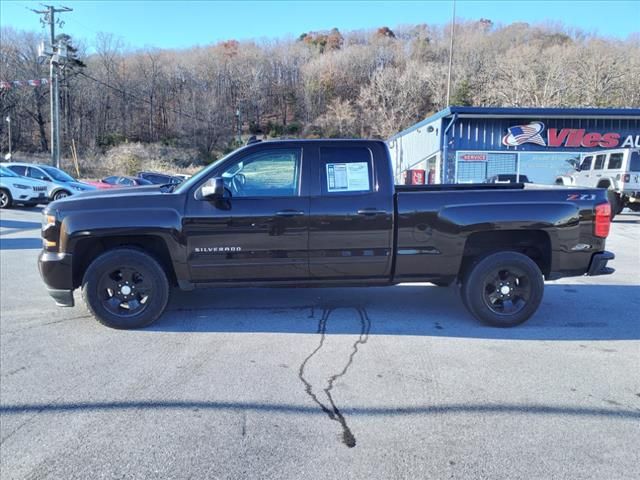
point(626, 177)
point(603, 220)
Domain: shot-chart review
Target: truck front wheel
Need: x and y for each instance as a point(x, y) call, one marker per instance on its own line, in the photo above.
point(125, 288)
point(503, 289)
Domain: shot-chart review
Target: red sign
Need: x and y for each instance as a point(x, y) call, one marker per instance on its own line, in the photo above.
point(474, 157)
point(578, 137)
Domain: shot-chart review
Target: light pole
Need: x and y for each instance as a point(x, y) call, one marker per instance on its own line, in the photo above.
point(238, 126)
point(8, 120)
point(453, 27)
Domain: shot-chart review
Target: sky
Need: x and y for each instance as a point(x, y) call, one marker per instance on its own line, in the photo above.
point(181, 24)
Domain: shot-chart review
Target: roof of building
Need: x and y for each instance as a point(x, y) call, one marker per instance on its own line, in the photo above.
point(515, 112)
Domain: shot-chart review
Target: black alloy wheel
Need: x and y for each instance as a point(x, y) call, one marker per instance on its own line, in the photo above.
point(507, 290)
point(126, 291)
point(125, 288)
point(503, 289)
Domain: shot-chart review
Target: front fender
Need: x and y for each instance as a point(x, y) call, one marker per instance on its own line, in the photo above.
point(161, 222)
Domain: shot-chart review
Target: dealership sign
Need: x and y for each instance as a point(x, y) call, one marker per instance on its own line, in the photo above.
point(566, 137)
point(474, 157)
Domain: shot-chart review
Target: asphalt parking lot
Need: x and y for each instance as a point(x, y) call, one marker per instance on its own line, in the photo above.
point(308, 383)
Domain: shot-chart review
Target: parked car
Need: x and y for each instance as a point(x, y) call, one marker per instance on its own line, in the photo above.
point(508, 178)
point(262, 217)
point(160, 178)
point(116, 181)
point(60, 184)
point(616, 170)
point(15, 189)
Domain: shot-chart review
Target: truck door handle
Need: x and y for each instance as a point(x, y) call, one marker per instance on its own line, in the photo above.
point(370, 212)
point(289, 213)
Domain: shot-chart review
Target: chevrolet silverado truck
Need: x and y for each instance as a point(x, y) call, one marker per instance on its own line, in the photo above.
point(318, 213)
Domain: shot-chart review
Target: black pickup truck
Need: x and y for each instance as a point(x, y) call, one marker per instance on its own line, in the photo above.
point(319, 213)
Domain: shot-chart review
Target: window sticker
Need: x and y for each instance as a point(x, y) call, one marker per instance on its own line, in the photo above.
point(347, 177)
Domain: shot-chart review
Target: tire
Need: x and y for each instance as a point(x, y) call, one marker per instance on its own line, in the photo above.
point(110, 293)
point(503, 289)
point(61, 194)
point(615, 201)
point(5, 198)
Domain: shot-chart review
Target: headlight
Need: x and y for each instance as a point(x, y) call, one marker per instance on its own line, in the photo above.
point(21, 187)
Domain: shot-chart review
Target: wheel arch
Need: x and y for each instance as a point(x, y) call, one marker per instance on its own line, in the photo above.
point(535, 244)
point(87, 249)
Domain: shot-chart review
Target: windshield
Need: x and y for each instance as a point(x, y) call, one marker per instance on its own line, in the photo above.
point(58, 175)
point(5, 172)
point(186, 185)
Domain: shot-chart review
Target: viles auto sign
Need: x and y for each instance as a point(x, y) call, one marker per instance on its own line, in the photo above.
point(566, 137)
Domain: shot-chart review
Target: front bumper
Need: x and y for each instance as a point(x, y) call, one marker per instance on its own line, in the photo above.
point(63, 298)
point(598, 264)
point(57, 272)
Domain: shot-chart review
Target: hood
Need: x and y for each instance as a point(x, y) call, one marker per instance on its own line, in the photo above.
point(148, 197)
point(81, 185)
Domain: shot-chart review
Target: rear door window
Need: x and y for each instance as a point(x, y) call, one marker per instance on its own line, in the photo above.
point(19, 169)
point(586, 163)
point(599, 162)
point(346, 170)
point(615, 161)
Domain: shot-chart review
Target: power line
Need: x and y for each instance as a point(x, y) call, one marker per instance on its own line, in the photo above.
point(140, 99)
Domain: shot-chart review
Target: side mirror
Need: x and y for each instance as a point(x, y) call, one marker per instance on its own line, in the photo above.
point(213, 188)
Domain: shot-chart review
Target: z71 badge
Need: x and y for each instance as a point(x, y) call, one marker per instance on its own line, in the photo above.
point(581, 196)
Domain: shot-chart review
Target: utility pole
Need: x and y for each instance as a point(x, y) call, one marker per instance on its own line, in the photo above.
point(453, 27)
point(57, 54)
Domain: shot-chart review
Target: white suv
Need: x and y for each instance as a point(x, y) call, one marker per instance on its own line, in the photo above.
point(17, 189)
point(616, 170)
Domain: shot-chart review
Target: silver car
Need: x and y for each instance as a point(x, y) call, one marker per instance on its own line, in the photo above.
point(60, 183)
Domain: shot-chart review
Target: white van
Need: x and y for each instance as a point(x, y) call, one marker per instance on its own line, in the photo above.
point(616, 170)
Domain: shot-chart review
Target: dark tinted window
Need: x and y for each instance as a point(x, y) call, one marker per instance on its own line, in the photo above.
point(110, 180)
point(125, 181)
point(586, 163)
point(599, 162)
point(634, 163)
point(156, 178)
point(615, 161)
point(346, 170)
point(19, 169)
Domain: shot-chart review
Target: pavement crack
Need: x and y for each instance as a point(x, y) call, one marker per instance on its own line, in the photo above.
point(329, 406)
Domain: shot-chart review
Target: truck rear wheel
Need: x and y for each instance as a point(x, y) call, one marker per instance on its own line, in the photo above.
point(503, 289)
point(125, 288)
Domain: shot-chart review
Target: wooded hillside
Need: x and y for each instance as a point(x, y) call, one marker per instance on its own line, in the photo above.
point(347, 84)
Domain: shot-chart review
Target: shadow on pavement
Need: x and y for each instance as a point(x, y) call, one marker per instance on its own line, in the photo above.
point(568, 312)
point(19, 224)
point(524, 409)
point(20, 243)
